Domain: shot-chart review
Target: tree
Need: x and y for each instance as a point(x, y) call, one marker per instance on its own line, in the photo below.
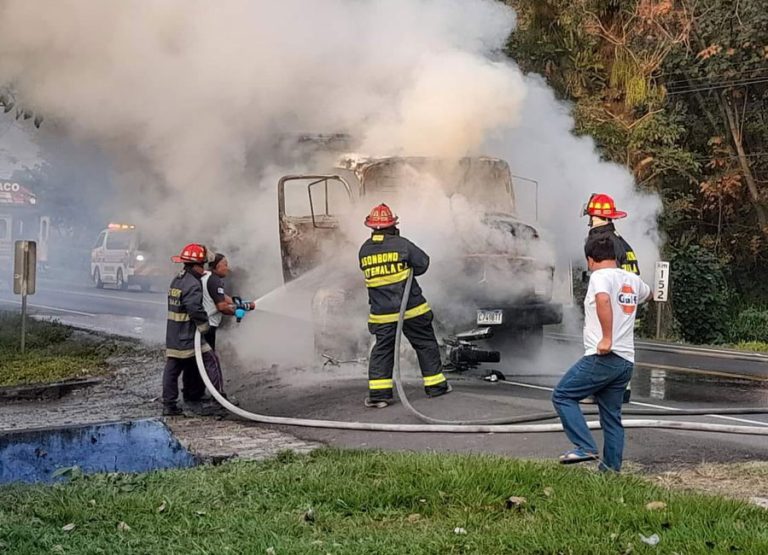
point(677, 91)
point(8, 102)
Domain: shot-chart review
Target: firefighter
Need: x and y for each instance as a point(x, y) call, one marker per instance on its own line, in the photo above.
point(385, 260)
point(185, 315)
point(601, 210)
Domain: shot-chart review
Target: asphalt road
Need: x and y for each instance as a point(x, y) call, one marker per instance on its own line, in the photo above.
point(667, 376)
point(130, 313)
point(338, 395)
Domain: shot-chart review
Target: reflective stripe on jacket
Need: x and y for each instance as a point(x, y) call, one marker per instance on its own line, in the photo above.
point(385, 260)
point(185, 315)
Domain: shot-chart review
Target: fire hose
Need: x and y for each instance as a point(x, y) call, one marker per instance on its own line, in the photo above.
point(446, 426)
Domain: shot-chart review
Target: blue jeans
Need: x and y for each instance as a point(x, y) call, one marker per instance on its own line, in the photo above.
point(605, 377)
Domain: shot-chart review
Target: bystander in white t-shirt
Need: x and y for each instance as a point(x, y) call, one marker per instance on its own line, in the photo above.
point(626, 291)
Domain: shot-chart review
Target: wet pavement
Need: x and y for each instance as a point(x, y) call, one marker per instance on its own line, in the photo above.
point(338, 394)
point(667, 377)
point(130, 313)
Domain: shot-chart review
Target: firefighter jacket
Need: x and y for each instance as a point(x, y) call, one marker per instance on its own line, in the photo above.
point(185, 315)
point(626, 259)
point(385, 259)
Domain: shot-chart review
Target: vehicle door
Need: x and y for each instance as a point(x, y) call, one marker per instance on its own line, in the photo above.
point(116, 252)
point(97, 254)
point(309, 207)
point(6, 247)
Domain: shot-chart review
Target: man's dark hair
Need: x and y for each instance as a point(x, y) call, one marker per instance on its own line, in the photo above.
point(600, 250)
point(216, 259)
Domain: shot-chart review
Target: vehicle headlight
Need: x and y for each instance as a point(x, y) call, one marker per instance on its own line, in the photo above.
point(140, 257)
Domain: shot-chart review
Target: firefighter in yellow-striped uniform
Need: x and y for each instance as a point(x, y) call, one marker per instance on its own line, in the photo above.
point(602, 211)
point(385, 259)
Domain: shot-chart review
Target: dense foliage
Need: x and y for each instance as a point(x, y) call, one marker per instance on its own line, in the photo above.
point(677, 91)
point(700, 302)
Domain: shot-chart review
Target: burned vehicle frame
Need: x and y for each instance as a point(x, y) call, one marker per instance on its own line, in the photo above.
point(480, 308)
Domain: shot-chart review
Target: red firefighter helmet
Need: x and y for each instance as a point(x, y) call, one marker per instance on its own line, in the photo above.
point(603, 206)
point(381, 217)
point(193, 253)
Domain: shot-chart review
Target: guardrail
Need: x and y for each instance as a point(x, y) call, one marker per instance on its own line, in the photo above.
point(677, 348)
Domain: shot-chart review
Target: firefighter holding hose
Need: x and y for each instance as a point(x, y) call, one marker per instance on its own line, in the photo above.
point(386, 258)
point(185, 316)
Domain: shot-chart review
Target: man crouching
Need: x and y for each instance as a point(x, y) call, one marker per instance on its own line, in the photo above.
point(610, 308)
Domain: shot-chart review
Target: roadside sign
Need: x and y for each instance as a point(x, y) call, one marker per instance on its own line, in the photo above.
point(661, 282)
point(24, 268)
point(24, 274)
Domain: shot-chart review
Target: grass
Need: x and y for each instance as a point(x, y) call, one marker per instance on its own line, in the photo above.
point(739, 480)
point(335, 501)
point(54, 352)
point(752, 346)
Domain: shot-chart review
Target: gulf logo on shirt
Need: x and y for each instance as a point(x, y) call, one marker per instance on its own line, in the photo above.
point(627, 299)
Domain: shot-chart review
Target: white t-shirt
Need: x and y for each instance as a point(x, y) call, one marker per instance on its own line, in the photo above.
point(214, 316)
point(626, 291)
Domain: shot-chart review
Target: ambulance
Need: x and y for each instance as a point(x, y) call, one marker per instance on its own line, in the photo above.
point(121, 258)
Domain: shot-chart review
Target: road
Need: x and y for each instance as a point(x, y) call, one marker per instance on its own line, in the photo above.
point(667, 377)
point(130, 313)
point(337, 394)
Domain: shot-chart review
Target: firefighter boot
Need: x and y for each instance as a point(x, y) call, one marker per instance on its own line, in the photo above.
point(172, 410)
point(373, 404)
point(440, 392)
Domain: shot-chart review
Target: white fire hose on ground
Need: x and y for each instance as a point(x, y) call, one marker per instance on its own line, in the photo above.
point(445, 426)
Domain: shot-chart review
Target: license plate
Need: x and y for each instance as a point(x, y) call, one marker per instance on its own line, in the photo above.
point(490, 317)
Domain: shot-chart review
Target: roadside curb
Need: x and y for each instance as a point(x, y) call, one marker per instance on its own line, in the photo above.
point(54, 390)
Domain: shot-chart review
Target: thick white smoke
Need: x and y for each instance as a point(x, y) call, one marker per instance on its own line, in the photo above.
point(568, 169)
point(193, 97)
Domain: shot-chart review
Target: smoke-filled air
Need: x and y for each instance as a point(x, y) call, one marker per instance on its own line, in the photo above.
point(202, 105)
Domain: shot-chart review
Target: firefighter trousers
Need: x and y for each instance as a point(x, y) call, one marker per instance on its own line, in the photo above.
point(421, 336)
point(193, 387)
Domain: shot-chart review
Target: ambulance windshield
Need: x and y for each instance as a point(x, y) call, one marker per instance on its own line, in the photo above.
point(120, 240)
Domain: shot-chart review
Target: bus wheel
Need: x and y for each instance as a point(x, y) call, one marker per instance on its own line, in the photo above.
point(97, 279)
point(120, 281)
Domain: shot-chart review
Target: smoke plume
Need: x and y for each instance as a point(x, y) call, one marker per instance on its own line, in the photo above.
point(194, 100)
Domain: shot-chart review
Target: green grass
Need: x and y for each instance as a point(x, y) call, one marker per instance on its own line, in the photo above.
point(54, 352)
point(373, 502)
point(752, 346)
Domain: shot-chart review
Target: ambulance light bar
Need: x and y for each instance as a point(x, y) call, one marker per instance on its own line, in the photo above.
point(121, 226)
